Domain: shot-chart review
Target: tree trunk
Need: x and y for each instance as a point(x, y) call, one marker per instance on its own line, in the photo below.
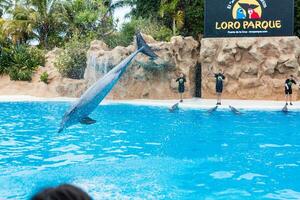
point(174, 26)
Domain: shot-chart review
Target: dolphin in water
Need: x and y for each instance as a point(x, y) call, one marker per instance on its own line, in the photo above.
point(88, 102)
point(211, 110)
point(234, 110)
point(285, 109)
point(174, 108)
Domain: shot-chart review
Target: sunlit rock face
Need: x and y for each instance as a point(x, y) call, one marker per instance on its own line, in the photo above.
point(146, 78)
point(57, 85)
point(255, 68)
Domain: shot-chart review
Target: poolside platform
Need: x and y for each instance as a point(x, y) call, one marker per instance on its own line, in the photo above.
point(194, 103)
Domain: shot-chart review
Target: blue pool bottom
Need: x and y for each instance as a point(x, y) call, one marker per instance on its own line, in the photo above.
point(140, 152)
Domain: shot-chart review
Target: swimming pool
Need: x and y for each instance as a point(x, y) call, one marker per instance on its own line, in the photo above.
point(140, 152)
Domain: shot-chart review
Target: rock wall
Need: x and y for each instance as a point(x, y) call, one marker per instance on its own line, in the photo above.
point(57, 87)
point(145, 78)
point(255, 68)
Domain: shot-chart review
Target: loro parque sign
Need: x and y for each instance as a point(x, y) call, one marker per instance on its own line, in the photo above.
point(249, 18)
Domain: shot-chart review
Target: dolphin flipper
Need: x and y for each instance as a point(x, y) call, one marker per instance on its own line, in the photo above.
point(87, 121)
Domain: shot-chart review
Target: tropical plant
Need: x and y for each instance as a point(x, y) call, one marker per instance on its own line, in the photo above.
point(20, 28)
point(88, 16)
point(192, 14)
point(170, 7)
point(23, 62)
point(49, 19)
point(71, 63)
point(44, 77)
point(20, 61)
point(148, 26)
point(4, 5)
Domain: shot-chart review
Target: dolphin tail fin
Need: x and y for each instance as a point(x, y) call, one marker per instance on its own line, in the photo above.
point(145, 49)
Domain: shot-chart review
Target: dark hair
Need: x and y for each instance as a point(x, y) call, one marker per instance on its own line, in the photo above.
point(62, 192)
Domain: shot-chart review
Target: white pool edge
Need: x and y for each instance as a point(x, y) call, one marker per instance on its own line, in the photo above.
point(187, 104)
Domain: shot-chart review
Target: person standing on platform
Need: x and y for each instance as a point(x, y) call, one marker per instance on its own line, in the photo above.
point(219, 85)
point(288, 89)
point(181, 80)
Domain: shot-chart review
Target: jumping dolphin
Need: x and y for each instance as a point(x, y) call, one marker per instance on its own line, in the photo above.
point(234, 110)
point(174, 108)
point(79, 112)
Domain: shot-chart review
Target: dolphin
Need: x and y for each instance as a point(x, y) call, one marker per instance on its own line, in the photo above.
point(285, 109)
point(89, 101)
point(212, 109)
point(234, 110)
point(174, 108)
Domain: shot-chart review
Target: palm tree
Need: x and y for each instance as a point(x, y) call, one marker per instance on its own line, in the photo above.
point(171, 7)
point(45, 21)
point(4, 5)
point(20, 28)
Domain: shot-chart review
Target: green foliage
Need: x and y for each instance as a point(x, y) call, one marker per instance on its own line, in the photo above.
point(194, 18)
point(20, 74)
point(148, 26)
point(20, 62)
point(146, 8)
point(5, 60)
point(185, 17)
point(24, 61)
point(71, 63)
point(44, 77)
point(53, 22)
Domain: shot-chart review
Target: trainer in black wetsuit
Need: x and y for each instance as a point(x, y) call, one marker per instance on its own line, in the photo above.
point(288, 89)
point(219, 86)
point(181, 80)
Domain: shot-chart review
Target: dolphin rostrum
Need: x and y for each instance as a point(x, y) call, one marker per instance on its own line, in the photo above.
point(88, 102)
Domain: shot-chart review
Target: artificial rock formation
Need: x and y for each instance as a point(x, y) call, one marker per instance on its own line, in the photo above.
point(255, 68)
point(146, 78)
point(57, 86)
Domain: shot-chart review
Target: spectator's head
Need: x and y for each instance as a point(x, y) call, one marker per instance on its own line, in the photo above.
point(221, 71)
point(291, 76)
point(63, 192)
point(181, 75)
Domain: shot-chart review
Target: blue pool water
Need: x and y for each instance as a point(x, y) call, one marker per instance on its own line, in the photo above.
point(138, 152)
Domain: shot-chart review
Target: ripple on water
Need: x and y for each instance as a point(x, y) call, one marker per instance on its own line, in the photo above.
point(69, 157)
point(282, 166)
point(249, 176)
point(67, 148)
point(274, 145)
point(153, 143)
point(222, 174)
point(285, 194)
point(233, 193)
point(118, 131)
